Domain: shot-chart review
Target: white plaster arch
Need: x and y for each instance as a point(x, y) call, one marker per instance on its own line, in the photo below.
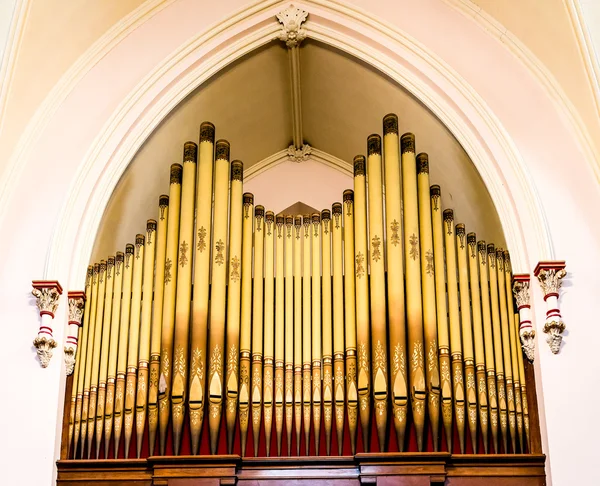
point(100, 124)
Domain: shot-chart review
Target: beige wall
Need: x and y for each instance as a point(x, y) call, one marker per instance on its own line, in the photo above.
point(544, 26)
point(56, 33)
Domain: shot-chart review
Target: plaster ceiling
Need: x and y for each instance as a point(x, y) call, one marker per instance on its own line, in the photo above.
point(250, 103)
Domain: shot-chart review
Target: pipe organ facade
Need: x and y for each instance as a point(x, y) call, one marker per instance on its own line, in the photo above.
point(378, 326)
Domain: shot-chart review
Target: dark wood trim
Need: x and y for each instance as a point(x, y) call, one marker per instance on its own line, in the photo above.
point(532, 407)
point(416, 469)
point(64, 438)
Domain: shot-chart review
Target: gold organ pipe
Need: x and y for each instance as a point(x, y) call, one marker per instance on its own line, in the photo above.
point(104, 354)
point(504, 320)
point(114, 351)
point(202, 248)
point(455, 331)
point(523, 388)
point(257, 322)
point(482, 397)
point(442, 312)
point(316, 327)
point(467, 332)
point(339, 391)
point(414, 310)
point(234, 294)
point(218, 290)
point(513, 347)
point(88, 358)
point(168, 315)
point(350, 316)
point(377, 288)
point(432, 373)
point(363, 327)
point(289, 329)
point(395, 276)
point(501, 390)
point(306, 329)
point(279, 329)
point(79, 376)
point(144, 342)
point(179, 392)
point(134, 339)
point(96, 356)
point(327, 327)
point(246, 317)
point(123, 344)
point(269, 327)
point(157, 312)
point(488, 337)
point(298, 325)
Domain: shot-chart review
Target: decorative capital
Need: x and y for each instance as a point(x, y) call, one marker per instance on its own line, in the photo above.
point(550, 275)
point(554, 329)
point(299, 155)
point(521, 289)
point(69, 360)
point(76, 305)
point(47, 293)
point(291, 20)
point(44, 346)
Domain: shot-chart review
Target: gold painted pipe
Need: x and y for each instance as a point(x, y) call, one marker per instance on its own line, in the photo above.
point(510, 390)
point(363, 324)
point(246, 317)
point(488, 337)
point(289, 328)
point(455, 330)
point(104, 354)
point(134, 339)
point(298, 327)
point(339, 390)
point(179, 383)
point(269, 328)
point(442, 312)
point(279, 330)
point(168, 316)
point(482, 393)
point(432, 372)
point(144, 342)
point(95, 369)
point(203, 249)
point(306, 327)
point(395, 277)
point(114, 351)
point(500, 385)
point(218, 289)
point(467, 332)
point(527, 444)
point(513, 347)
point(234, 298)
point(123, 344)
point(157, 312)
point(350, 316)
point(316, 327)
point(377, 289)
point(327, 328)
point(79, 376)
point(414, 310)
point(257, 323)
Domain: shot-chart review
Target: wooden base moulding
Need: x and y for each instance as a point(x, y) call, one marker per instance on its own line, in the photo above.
point(409, 469)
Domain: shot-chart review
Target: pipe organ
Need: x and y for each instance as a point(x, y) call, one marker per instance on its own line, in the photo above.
point(225, 328)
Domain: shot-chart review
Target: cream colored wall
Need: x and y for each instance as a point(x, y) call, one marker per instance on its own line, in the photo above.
point(544, 26)
point(55, 34)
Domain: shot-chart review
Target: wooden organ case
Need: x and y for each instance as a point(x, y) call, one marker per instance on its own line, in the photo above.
point(373, 342)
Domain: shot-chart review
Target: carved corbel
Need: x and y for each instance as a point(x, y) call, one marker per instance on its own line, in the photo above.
point(299, 155)
point(291, 20)
point(76, 306)
point(550, 275)
point(526, 332)
point(47, 294)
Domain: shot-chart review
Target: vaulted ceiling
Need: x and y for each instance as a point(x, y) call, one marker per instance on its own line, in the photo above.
point(250, 102)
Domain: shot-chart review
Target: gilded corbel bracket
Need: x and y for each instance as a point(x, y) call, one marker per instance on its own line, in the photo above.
point(47, 294)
